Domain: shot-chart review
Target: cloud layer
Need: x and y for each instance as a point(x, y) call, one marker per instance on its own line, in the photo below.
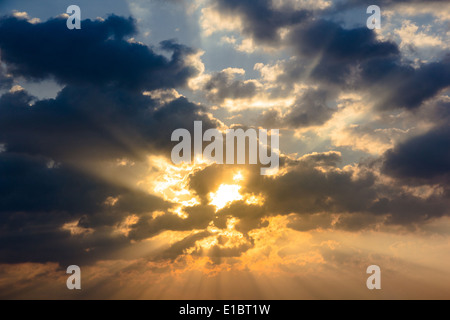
point(86, 176)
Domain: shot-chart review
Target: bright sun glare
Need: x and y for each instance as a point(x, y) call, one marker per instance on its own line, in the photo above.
point(225, 195)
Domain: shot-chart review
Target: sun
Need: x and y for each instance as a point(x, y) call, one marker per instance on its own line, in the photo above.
point(238, 176)
point(224, 195)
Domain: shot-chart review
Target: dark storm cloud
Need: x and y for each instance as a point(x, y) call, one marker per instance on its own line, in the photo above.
point(402, 86)
point(325, 159)
point(6, 82)
point(305, 189)
point(406, 209)
point(179, 247)
point(215, 253)
point(341, 191)
point(402, 209)
point(329, 55)
point(218, 253)
point(31, 185)
point(356, 59)
point(222, 85)
point(339, 49)
point(54, 245)
point(354, 199)
point(310, 222)
point(38, 199)
point(249, 216)
point(312, 108)
point(199, 217)
point(424, 159)
point(98, 54)
point(81, 123)
point(441, 111)
point(339, 44)
point(260, 19)
point(99, 115)
point(348, 4)
point(209, 179)
point(89, 122)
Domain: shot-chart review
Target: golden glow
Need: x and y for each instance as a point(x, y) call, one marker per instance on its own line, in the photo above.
point(171, 182)
point(238, 176)
point(124, 227)
point(280, 260)
point(124, 162)
point(229, 238)
point(254, 200)
point(225, 195)
point(111, 201)
point(206, 243)
point(75, 229)
point(259, 102)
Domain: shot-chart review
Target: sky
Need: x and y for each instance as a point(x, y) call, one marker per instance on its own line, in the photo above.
point(87, 179)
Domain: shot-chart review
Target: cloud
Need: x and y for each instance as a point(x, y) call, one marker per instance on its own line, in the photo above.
point(249, 216)
point(58, 204)
point(337, 50)
point(209, 179)
point(38, 199)
point(223, 85)
point(178, 248)
point(328, 159)
point(88, 123)
point(219, 254)
point(411, 36)
point(402, 86)
point(98, 54)
point(199, 217)
point(312, 108)
point(260, 19)
point(6, 81)
point(424, 159)
point(330, 56)
point(355, 196)
point(59, 193)
point(310, 222)
point(305, 189)
point(340, 5)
